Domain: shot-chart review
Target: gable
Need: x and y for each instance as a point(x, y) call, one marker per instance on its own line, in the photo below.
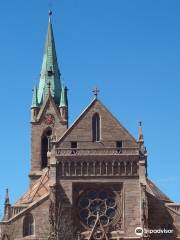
point(111, 129)
point(49, 105)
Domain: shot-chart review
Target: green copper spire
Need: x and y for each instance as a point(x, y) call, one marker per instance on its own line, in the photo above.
point(64, 98)
point(50, 71)
point(35, 98)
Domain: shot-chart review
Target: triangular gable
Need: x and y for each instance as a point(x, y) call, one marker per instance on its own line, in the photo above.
point(98, 229)
point(114, 125)
point(48, 101)
point(75, 122)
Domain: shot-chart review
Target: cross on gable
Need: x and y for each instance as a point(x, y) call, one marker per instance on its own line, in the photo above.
point(96, 92)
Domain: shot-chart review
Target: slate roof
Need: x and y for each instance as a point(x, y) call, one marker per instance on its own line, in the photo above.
point(50, 71)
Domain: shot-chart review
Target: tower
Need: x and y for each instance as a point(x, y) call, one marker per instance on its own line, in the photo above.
point(49, 109)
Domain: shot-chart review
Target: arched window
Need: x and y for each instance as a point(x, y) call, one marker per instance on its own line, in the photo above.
point(96, 127)
point(28, 225)
point(45, 147)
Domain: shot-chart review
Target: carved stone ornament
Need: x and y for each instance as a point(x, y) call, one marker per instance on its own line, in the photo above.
point(49, 119)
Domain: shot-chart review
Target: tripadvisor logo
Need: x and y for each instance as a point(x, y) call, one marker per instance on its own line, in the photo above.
point(139, 231)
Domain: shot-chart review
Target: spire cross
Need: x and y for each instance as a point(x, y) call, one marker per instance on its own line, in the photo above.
point(96, 92)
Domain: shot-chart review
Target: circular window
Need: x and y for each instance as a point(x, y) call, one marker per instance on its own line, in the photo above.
point(94, 202)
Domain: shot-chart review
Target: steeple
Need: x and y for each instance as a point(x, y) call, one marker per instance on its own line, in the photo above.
point(50, 71)
point(49, 109)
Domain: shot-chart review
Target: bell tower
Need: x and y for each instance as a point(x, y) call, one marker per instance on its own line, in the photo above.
point(49, 109)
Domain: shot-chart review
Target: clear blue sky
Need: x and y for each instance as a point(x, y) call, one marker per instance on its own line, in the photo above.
point(129, 49)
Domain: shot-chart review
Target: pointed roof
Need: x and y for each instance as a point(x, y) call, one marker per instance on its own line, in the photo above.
point(141, 136)
point(35, 98)
point(64, 99)
point(48, 100)
point(50, 71)
point(7, 201)
point(94, 101)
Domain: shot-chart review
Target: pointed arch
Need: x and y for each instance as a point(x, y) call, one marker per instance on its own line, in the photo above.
point(96, 128)
point(128, 168)
point(134, 168)
point(84, 169)
point(97, 168)
point(122, 168)
point(116, 168)
point(45, 146)
point(28, 225)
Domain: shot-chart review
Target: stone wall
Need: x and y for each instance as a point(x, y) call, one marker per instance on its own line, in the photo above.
point(111, 130)
point(129, 197)
point(40, 213)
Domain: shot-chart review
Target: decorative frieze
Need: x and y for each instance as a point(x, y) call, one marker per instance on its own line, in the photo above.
point(97, 151)
point(83, 168)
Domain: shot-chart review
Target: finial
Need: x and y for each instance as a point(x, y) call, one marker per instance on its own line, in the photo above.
point(96, 92)
point(141, 137)
point(50, 14)
point(7, 197)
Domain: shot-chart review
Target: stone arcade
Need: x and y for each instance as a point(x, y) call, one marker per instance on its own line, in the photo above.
point(88, 181)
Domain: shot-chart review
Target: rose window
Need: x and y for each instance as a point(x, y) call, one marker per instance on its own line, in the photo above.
point(97, 202)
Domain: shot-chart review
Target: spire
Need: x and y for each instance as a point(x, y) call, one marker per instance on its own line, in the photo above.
point(142, 148)
point(50, 71)
point(64, 97)
point(7, 202)
point(35, 98)
point(63, 106)
point(7, 206)
point(141, 136)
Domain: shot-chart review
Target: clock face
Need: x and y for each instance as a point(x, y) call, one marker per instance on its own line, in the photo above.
point(49, 119)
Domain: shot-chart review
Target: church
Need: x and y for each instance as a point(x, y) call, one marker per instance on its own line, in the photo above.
point(88, 181)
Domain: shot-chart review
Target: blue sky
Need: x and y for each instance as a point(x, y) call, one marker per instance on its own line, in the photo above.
point(129, 49)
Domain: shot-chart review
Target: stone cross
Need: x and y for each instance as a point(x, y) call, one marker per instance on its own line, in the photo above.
point(96, 92)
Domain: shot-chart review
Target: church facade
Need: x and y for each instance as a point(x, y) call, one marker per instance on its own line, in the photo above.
point(87, 181)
